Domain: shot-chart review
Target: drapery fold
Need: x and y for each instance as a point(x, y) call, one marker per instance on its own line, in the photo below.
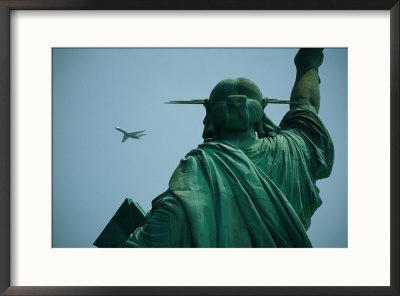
point(261, 196)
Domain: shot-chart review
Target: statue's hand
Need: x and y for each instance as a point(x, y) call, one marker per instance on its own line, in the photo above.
point(309, 58)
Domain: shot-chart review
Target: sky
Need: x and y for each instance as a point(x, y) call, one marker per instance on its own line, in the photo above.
point(96, 89)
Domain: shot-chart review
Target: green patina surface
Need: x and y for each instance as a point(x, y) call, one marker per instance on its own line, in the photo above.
point(260, 196)
point(242, 190)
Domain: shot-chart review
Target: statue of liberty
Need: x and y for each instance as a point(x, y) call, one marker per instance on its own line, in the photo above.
point(251, 183)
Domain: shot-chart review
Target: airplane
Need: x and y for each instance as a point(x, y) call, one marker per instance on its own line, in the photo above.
point(133, 135)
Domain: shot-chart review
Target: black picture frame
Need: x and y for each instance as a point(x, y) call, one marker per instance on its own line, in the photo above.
point(8, 5)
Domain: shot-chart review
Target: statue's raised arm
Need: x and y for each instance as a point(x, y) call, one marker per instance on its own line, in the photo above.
point(306, 86)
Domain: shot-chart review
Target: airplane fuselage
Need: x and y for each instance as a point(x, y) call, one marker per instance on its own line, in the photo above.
point(133, 135)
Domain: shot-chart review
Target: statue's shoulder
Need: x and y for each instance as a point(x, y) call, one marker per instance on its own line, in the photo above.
point(216, 145)
point(207, 150)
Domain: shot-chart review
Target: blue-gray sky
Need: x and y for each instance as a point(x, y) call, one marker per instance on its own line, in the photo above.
point(95, 90)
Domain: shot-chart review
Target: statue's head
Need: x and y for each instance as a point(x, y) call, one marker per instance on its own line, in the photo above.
point(234, 104)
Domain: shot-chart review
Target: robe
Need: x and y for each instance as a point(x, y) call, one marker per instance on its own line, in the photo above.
point(260, 196)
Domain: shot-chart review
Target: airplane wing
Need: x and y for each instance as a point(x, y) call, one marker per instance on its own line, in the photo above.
point(120, 129)
point(125, 138)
